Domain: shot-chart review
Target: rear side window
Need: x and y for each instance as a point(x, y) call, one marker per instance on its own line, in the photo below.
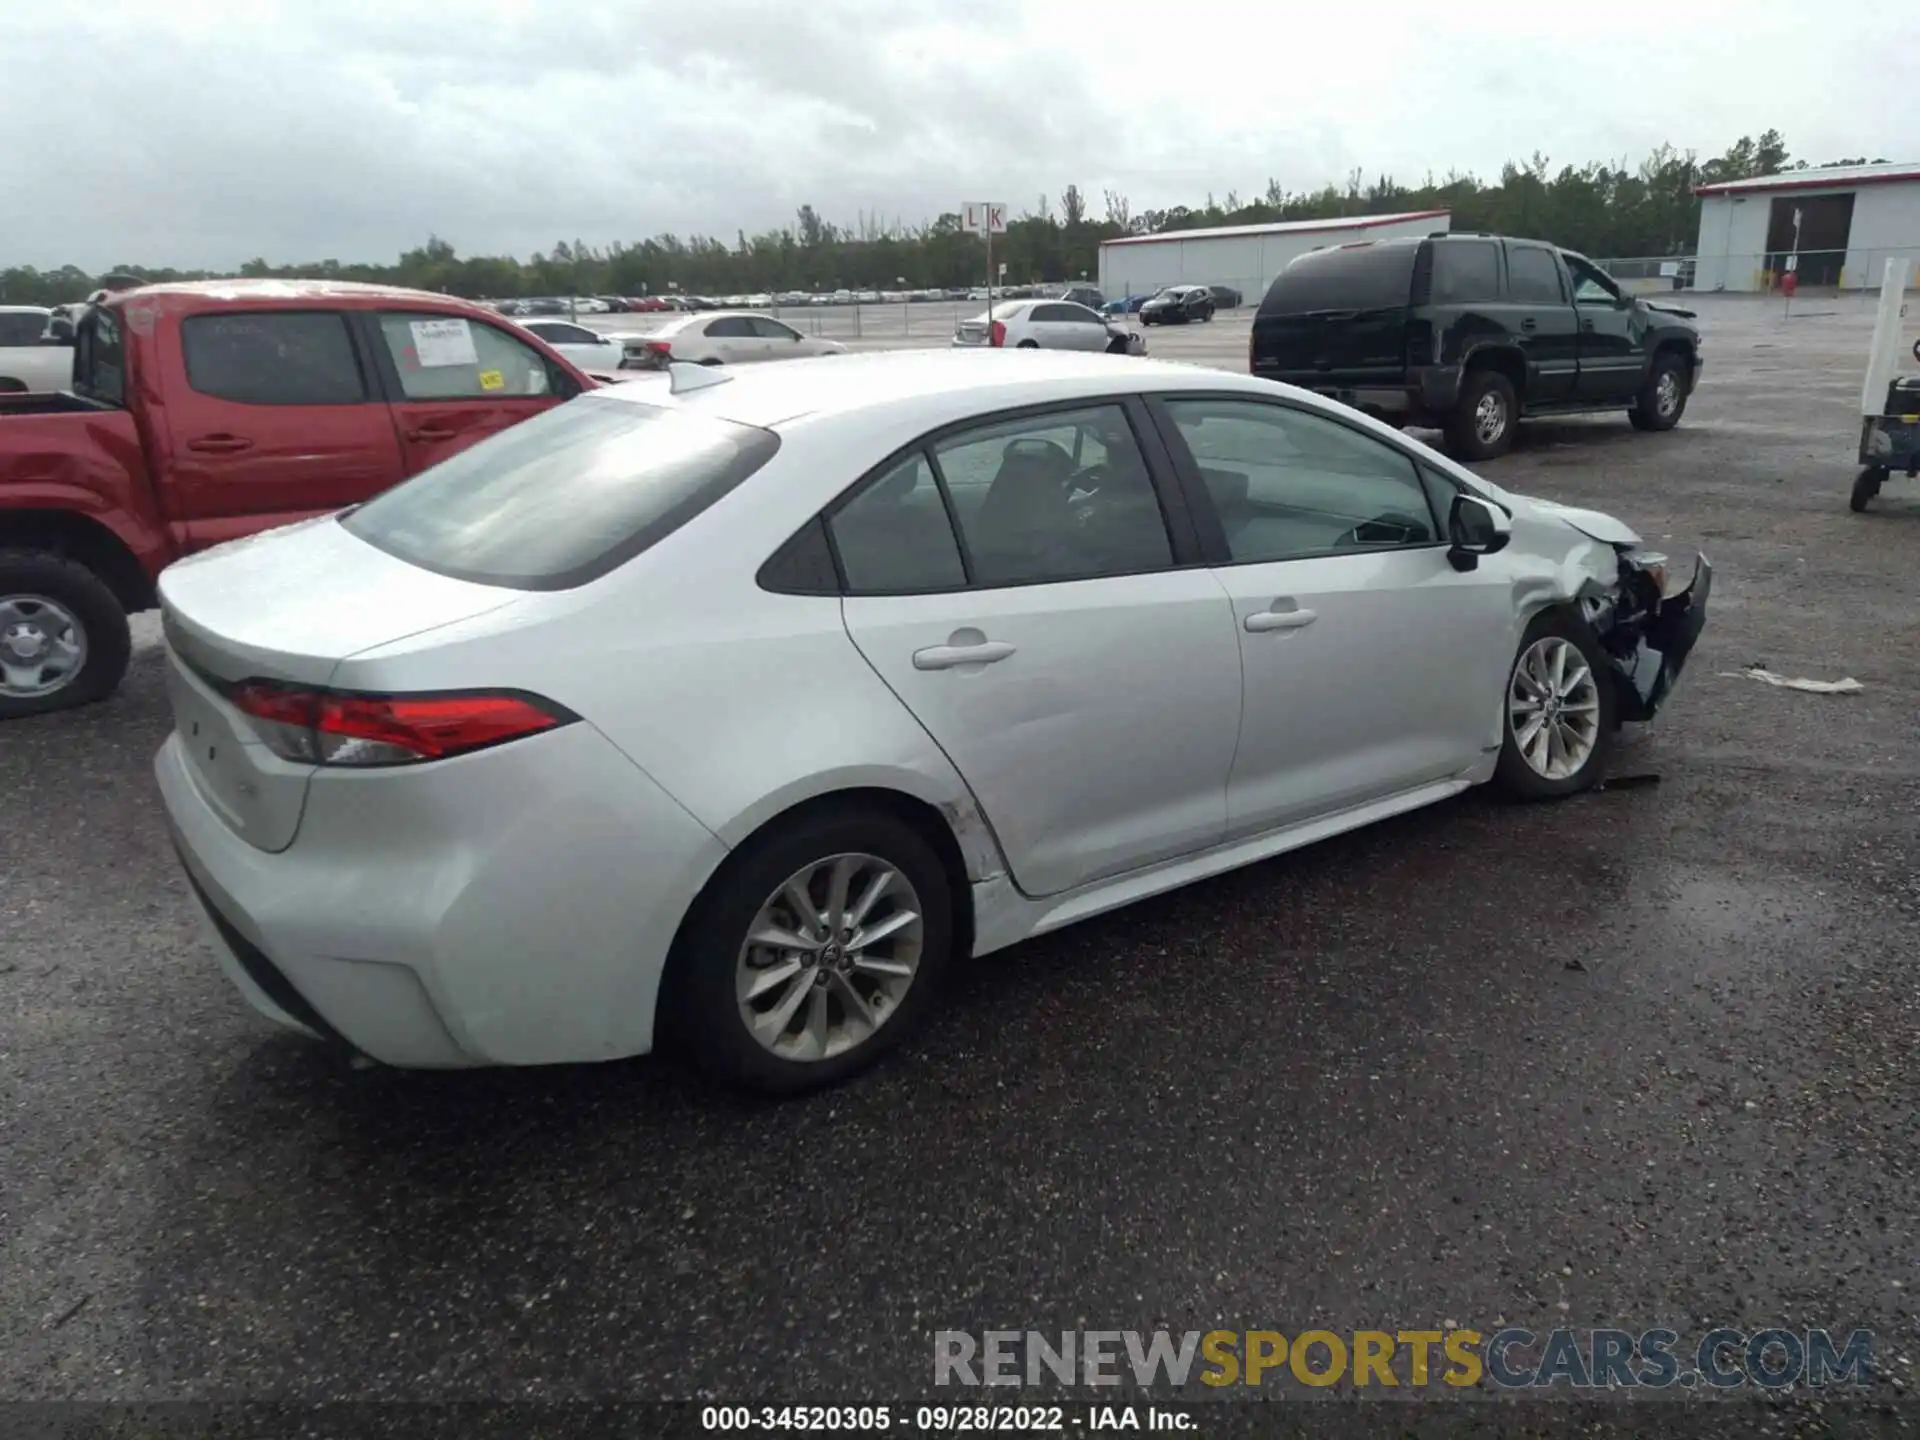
point(894, 536)
point(1465, 272)
point(1532, 276)
point(281, 357)
point(1356, 277)
point(565, 497)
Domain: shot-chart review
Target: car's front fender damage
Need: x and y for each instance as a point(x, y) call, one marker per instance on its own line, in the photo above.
point(1646, 633)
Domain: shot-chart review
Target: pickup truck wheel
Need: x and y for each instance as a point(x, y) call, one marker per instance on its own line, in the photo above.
point(63, 636)
point(1481, 426)
point(1663, 399)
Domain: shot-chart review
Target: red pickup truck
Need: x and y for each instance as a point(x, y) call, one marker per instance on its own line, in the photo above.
point(203, 412)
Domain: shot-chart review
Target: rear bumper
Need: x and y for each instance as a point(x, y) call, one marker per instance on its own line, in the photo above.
point(517, 911)
point(1427, 395)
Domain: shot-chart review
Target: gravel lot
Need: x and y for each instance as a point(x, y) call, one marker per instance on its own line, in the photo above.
point(1643, 1058)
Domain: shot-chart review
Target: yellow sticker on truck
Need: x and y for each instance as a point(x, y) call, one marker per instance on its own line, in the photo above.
point(492, 380)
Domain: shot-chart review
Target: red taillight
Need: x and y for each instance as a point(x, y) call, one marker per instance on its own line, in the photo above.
point(659, 352)
point(326, 727)
point(997, 334)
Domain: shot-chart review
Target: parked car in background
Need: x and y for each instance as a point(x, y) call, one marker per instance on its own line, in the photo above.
point(1178, 305)
point(729, 337)
point(1225, 297)
point(1471, 334)
point(1087, 295)
point(520, 715)
point(594, 351)
point(1045, 325)
point(1125, 305)
point(199, 413)
point(33, 358)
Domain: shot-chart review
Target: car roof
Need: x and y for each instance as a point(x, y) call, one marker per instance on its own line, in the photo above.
point(24, 310)
point(959, 383)
point(353, 293)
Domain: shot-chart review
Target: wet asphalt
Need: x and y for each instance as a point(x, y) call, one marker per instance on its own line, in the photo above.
point(1642, 1058)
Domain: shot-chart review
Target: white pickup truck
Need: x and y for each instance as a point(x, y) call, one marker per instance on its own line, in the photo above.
point(31, 358)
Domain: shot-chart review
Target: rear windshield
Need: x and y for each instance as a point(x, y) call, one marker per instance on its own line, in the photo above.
point(1362, 277)
point(565, 497)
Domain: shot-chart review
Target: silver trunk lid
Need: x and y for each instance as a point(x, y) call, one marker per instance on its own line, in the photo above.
point(288, 605)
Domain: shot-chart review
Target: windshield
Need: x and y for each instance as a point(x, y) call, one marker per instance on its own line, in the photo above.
point(565, 497)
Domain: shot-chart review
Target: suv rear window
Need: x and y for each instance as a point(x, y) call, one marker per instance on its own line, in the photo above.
point(1358, 277)
point(565, 497)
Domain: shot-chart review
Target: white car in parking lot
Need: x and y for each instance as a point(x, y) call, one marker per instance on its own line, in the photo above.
point(1046, 325)
point(29, 360)
point(731, 338)
point(592, 350)
point(731, 712)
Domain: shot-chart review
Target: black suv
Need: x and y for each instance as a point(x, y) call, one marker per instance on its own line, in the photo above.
point(1469, 333)
point(1177, 304)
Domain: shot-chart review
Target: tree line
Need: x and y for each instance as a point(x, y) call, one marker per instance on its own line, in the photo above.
point(1602, 209)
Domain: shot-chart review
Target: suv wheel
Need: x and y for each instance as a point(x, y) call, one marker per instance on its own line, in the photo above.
point(1663, 399)
point(1482, 424)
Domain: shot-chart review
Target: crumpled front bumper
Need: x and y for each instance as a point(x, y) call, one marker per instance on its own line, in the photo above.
point(1651, 670)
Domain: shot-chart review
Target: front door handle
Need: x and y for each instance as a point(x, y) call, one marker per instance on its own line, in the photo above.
point(947, 657)
point(220, 444)
point(1529, 324)
point(432, 432)
point(1262, 621)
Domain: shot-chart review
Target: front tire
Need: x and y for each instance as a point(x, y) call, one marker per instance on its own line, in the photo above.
point(1663, 399)
point(1866, 485)
point(64, 639)
point(817, 948)
point(1028, 345)
point(1559, 711)
point(1482, 424)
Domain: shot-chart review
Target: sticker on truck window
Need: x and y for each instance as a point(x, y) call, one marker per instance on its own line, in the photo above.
point(492, 380)
point(439, 343)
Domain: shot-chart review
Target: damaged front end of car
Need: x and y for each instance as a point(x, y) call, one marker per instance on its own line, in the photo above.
point(1647, 628)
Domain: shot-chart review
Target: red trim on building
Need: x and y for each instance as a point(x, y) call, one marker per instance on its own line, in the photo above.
point(1281, 227)
point(1770, 187)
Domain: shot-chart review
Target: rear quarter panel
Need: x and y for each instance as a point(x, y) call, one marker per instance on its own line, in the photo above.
point(86, 463)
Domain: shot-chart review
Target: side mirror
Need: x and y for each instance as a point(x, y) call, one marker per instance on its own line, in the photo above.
point(1475, 527)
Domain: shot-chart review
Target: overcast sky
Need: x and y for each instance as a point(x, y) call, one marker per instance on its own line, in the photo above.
point(204, 132)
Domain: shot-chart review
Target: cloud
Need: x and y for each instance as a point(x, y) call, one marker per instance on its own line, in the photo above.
point(204, 132)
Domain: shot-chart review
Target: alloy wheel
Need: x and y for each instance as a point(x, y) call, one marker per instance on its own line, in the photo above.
point(829, 957)
point(1490, 418)
point(43, 646)
point(1666, 394)
point(1553, 708)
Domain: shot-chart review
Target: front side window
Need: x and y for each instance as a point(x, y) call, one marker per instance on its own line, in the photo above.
point(1590, 287)
point(449, 357)
point(1288, 484)
point(273, 357)
point(773, 330)
point(1533, 278)
point(565, 497)
point(1061, 496)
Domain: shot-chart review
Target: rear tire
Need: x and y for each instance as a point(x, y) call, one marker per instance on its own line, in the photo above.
point(1558, 711)
point(1866, 485)
point(1482, 424)
point(49, 607)
point(1028, 345)
point(1663, 399)
point(707, 997)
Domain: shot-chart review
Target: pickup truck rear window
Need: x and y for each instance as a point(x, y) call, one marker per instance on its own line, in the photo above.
point(1356, 277)
point(565, 497)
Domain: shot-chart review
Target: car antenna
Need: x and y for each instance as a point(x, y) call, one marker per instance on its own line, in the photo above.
point(684, 376)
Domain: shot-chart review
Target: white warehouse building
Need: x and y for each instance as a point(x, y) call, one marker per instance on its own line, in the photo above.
point(1851, 219)
point(1244, 257)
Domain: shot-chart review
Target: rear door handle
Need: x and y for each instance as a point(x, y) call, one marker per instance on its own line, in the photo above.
point(432, 432)
point(219, 444)
point(1262, 621)
point(1529, 324)
point(947, 657)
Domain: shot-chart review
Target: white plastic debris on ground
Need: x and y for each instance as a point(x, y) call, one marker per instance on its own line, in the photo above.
point(1847, 686)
